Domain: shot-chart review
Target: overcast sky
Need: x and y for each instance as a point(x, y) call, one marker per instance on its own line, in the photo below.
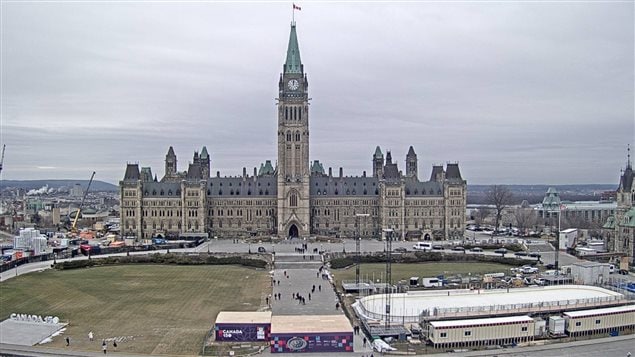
point(516, 92)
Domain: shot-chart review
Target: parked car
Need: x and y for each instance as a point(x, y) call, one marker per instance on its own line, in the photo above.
point(401, 250)
point(521, 254)
point(459, 249)
point(262, 250)
point(500, 251)
point(437, 247)
point(534, 255)
point(476, 249)
point(528, 269)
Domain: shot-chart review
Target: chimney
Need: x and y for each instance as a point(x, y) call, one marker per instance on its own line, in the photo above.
point(341, 172)
point(244, 172)
point(217, 173)
point(364, 173)
point(255, 172)
point(330, 172)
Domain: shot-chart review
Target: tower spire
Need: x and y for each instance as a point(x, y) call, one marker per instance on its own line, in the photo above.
point(628, 156)
point(293, 63)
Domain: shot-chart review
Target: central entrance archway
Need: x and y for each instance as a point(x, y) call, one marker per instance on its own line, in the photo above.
point(293, 231)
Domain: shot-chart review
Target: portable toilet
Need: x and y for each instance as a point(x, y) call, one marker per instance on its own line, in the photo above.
point(414, 281)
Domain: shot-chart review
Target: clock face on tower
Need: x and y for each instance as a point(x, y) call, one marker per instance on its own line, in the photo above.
point(293, 84)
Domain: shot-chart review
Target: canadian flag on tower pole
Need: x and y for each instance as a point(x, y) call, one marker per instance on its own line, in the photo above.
point(296, 7)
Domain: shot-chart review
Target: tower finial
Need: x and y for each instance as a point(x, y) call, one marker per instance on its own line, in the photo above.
point(628, 156)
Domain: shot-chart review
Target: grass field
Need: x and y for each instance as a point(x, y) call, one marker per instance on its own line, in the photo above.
point(151, 308)
point(432, 269)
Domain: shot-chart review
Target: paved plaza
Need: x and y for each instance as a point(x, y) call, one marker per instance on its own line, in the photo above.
point(299, 274)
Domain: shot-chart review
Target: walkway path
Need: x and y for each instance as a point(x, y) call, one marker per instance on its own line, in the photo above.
point(298, 274)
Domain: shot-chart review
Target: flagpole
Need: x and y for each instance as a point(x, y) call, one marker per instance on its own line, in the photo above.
point(293, 14)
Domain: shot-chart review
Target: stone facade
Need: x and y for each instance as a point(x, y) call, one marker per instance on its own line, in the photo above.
point(621, 226)
point(293, 198)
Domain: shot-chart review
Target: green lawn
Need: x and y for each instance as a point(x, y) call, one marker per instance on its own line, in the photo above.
point(432, 269)
point(161, 309)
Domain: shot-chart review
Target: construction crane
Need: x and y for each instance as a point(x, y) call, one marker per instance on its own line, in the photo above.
point(2, 158)
point(74, 226)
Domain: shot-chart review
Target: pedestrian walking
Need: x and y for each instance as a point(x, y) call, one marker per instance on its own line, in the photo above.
point(309, 296)
point(104, 346)
point(278, 282)
point(320, 288)
point(114, 345)
point(317, 274)
point(68, 341)
point(267, 300)
point(364, 342)
point(90, 335)
point(337, 306)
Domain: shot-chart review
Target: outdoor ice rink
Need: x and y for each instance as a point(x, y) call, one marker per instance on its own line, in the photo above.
point(475, 302)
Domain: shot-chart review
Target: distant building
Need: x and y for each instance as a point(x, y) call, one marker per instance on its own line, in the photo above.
point(581, 214)
point(77, 191)
point(294, 198)
point(621, 226)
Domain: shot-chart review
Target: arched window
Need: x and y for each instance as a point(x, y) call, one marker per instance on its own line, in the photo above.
point(286, 113)
point(300, 112)
point(293, 200)
point(288, 136)
point(297, 136)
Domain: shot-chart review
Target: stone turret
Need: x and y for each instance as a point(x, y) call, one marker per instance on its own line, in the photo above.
point(411, 163)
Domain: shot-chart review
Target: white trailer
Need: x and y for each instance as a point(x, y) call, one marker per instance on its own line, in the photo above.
point(607, 320)
point(480, 332)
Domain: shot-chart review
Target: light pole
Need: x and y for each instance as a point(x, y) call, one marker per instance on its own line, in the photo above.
point(389, 232)
point(358, 240)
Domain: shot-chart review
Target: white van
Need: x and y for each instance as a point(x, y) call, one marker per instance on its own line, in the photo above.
point(431, 282)
point(422, 246)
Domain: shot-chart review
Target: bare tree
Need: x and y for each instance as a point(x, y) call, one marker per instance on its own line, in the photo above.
point(481, 214)
point(525, 218)
point(500, 197)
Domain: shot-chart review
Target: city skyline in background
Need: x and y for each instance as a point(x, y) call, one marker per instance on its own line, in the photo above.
point(516, 93)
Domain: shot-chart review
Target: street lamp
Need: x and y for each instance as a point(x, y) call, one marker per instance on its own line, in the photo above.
point(389, 232)
point(357, 246)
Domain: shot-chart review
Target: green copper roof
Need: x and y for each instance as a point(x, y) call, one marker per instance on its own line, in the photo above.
point(610, 223)
point(293, 63)
point(378, 152)
point(204, 154)
point(629, 218)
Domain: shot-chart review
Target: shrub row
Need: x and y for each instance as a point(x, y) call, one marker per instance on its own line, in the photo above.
point(421, 257)
point(168, 259)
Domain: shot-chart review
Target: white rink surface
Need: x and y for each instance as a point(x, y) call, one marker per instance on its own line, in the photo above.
point(413, 303)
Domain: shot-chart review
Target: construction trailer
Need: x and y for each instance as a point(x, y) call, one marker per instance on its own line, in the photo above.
point(611, 320)
point(480, 332)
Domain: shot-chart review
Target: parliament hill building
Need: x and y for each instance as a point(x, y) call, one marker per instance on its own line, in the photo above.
point(293, 197)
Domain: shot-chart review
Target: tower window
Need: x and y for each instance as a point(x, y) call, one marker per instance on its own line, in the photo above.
point(286, 113)
point(288, 136)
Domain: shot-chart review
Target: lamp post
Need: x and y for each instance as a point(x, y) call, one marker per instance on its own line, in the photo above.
point(358, 240)
point(389, 232)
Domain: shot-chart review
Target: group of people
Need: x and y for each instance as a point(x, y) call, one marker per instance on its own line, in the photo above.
point(91, 337)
